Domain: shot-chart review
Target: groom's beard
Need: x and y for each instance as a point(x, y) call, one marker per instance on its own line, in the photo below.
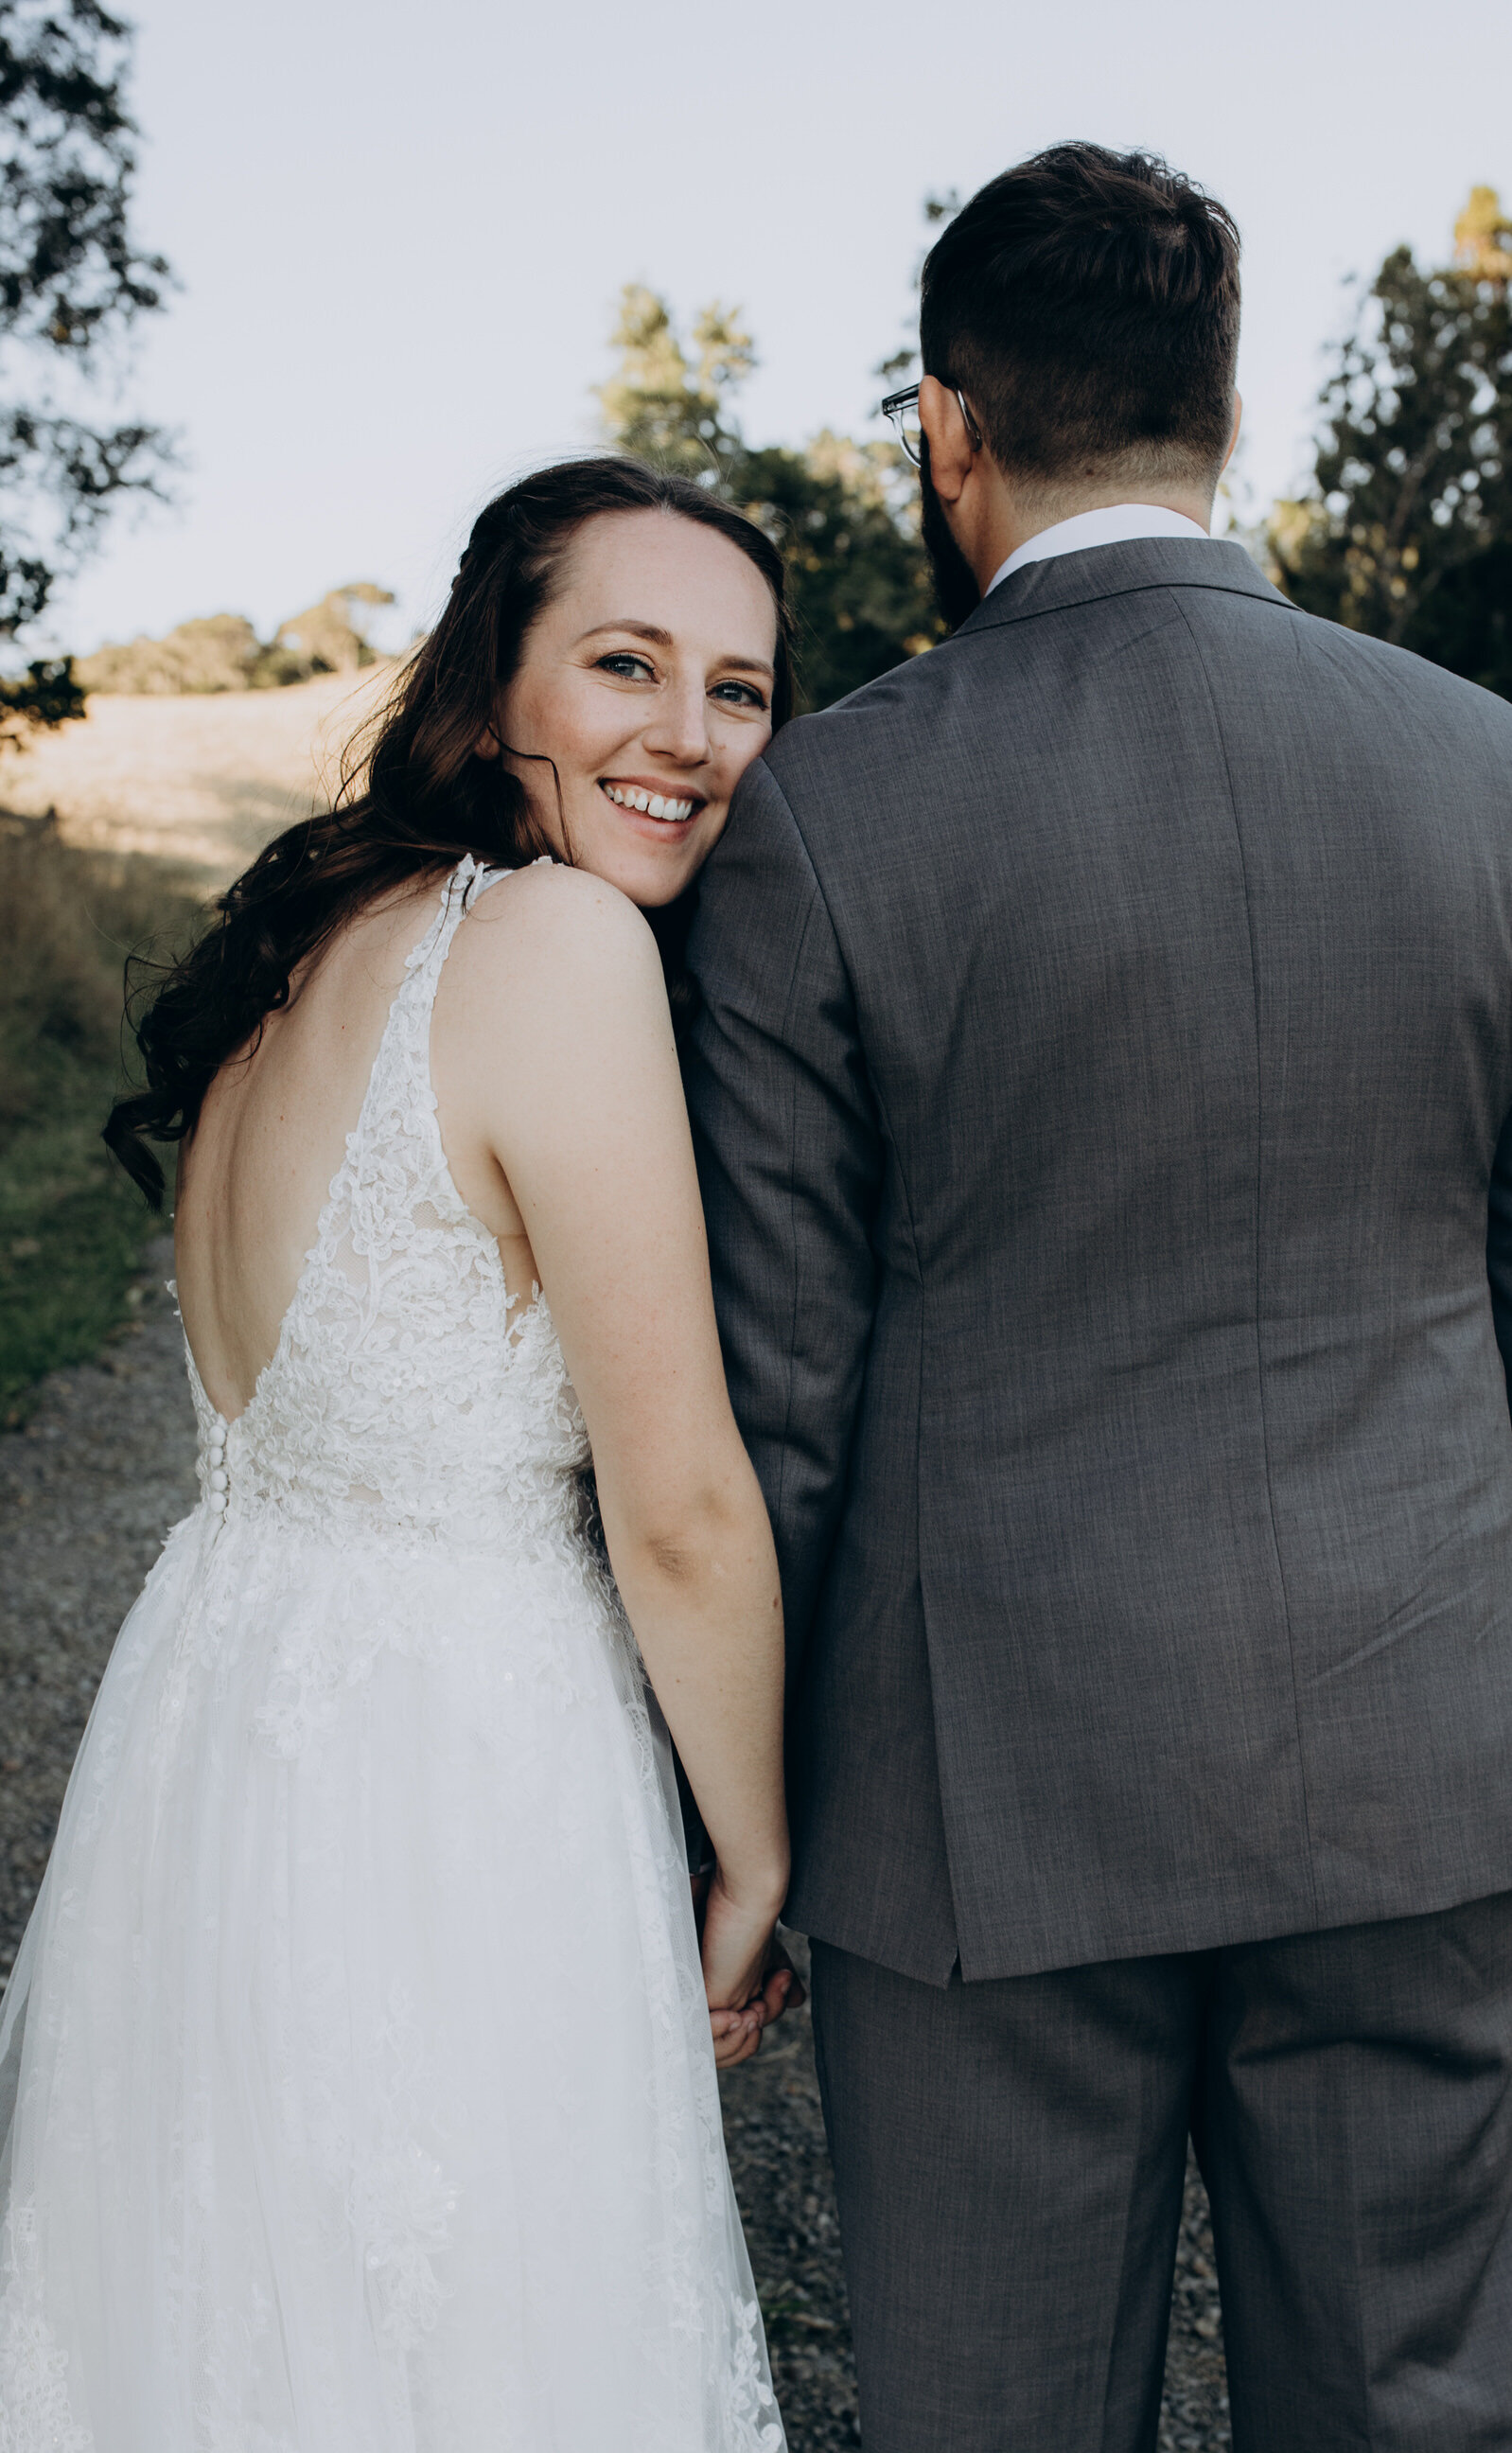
point(955, 586)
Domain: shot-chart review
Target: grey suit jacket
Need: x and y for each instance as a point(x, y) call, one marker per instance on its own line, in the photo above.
point(1101, 1101)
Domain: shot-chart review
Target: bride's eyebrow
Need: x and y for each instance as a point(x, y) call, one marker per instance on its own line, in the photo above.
point(659, 638)
point(638, 629)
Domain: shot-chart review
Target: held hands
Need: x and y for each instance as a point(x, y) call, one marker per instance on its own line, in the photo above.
point(747, 1977)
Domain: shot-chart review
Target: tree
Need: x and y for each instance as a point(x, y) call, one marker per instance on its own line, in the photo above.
point(1406, 532)
point(72, 282)
point(664, 409)
point(843, 514)
point(331, 637)
point(222, 652)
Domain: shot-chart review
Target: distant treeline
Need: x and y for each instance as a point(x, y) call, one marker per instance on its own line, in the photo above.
point(223, 651)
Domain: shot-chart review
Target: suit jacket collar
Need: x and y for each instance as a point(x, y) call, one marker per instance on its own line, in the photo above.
point(1120, 569)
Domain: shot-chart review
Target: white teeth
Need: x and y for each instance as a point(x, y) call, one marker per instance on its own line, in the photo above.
point(655, 804)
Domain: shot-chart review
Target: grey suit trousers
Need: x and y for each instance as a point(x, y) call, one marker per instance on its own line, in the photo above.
point(1010, 2155)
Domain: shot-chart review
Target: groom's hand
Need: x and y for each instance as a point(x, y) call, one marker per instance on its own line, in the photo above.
point(782, 1988)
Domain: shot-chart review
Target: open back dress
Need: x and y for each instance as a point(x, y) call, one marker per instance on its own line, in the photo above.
point(363, 2099)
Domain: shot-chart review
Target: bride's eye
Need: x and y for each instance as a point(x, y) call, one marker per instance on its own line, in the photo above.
point(740, 694)
point(625, 666)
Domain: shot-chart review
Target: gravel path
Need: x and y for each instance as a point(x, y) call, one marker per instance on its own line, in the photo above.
point(87, 1491)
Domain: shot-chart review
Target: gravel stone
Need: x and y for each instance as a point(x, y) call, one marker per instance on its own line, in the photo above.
point(88, 1490)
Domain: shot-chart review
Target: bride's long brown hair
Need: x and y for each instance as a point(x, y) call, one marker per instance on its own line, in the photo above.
point(414, 798)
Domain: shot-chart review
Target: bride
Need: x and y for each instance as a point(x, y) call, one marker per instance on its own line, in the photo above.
point(363, 2062)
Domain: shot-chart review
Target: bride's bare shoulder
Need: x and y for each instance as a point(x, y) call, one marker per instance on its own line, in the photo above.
point(552, 935)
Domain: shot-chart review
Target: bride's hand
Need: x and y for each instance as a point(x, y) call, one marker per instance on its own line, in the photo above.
point(747, 1980)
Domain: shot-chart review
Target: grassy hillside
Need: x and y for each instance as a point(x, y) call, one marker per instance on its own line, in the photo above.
point(72, 1227)
point(201, 781)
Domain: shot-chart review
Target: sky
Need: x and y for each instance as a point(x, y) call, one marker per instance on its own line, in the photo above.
point(400, 233)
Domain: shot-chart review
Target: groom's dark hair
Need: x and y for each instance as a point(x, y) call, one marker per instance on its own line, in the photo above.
point(1087, 303)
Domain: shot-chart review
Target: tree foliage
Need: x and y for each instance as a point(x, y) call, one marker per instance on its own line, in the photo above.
point(1406, 532)
point(843, 515)
point(222, 652)
point(666, 406)
point(72, 282)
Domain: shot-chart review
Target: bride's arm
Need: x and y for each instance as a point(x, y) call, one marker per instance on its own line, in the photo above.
point(581, 1103)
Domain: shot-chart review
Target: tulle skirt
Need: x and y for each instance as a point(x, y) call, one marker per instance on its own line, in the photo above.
point(364, 2100)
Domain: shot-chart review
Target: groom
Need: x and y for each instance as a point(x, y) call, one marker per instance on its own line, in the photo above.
point(1102, 1098)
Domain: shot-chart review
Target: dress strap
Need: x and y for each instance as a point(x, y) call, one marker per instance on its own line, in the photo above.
point(479, 882)
point(481, 878)
point(424, 961)
point(468, 880)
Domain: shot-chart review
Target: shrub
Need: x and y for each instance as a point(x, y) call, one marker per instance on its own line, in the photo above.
point(70, 1226)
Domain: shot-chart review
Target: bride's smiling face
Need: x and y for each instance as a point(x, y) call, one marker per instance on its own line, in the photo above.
point(647, 680)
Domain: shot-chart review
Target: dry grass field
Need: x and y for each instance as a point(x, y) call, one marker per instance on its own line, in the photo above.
point(200, 782)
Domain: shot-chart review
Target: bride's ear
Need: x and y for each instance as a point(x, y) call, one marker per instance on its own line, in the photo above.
point(486, 744)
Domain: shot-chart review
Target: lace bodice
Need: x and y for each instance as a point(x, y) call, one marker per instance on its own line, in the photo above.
point(408, 1402)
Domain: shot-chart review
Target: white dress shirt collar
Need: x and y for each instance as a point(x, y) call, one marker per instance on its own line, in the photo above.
point(1115, 524)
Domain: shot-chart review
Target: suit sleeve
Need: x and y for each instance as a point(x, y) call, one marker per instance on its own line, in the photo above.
point(1498, 1247)
point(790, 1161)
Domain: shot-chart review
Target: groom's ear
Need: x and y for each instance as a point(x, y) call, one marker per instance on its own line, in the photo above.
point(951, 452)
point(1233, 439)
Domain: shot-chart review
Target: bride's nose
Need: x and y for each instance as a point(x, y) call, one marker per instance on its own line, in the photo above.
point(679, 729)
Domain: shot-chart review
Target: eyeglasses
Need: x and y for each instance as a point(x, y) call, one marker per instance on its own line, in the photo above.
point(901, 408)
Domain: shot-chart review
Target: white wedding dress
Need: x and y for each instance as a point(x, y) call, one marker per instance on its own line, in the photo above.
point(364, 2101)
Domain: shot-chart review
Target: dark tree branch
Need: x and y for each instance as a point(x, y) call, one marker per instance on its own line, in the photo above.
point(70, 272)
point(72, 282)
